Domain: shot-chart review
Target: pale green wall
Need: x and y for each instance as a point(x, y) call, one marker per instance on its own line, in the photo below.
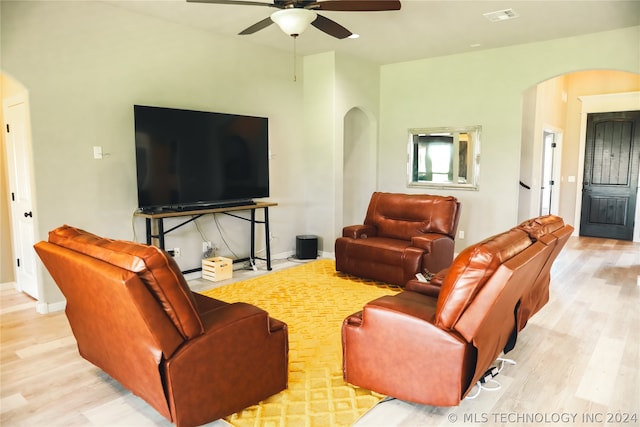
point(334, 85)
point(527, 149)
point(320, 146)
point(358, 92)
point(485, 88)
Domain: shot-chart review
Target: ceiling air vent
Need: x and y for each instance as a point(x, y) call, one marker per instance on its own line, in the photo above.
point(501, 15)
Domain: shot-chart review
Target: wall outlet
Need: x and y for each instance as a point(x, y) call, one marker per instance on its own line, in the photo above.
point(207, 249)
point(176, 252)
point(461, 234)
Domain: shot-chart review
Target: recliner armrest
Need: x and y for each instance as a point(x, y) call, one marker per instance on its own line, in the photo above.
point(430, 288)
point(231, 315)
point(398, 351)
point(438, 250)
point(354, 320)
point(429, 241)
point(411, 304)
point(204, 376)
point(359, 231)
point(425, 288)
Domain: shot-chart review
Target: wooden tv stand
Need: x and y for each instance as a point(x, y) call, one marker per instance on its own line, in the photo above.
point(155, 221)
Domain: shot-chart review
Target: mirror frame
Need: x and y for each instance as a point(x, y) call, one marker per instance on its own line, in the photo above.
point(472, 182)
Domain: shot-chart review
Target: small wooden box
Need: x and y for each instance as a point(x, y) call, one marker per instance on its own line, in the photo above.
point(217, 268)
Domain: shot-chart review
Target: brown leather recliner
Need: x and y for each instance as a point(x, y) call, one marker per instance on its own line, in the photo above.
point(548, 229)
point(402, 234)
point(193, 358)
point(433, 349)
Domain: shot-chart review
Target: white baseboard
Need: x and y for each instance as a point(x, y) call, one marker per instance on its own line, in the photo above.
point(45, 308)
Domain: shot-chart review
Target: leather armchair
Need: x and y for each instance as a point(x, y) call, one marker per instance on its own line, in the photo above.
point(193, 358)
point(549, 230)
point(402, 234)
point(440, 342)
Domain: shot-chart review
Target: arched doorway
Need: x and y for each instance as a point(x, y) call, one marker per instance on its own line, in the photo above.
point(557, 104)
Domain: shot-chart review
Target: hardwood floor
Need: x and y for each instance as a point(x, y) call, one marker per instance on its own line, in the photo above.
point(577, 360)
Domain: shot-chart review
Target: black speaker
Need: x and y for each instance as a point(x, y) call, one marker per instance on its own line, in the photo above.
point(306, 247)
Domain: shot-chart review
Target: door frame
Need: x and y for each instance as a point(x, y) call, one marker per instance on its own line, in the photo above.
point(609, 103)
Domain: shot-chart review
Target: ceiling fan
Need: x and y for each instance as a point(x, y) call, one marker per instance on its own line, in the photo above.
point(295, 16)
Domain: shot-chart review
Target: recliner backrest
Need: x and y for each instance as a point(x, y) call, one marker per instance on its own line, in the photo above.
point(470, 271)
point(118, 324)
point(542, 225)
point(551, 231)
point(402, 216)
point(489, 321)
point(157, 270)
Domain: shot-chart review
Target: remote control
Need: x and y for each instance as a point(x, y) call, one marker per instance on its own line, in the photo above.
point(421, 277)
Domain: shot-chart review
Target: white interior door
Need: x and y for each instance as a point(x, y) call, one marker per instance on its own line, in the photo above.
point(550, 189)
point(547, 173)
point(16, 113)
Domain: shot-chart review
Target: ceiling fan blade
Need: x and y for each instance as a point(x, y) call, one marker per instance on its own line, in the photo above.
point(234, 2)
point(354, 5)
point(257, 26)
point(331, 27)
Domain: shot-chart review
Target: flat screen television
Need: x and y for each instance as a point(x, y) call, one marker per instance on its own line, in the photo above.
point(195, 159)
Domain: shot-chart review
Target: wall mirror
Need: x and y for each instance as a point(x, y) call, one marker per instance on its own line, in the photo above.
point(446, 157)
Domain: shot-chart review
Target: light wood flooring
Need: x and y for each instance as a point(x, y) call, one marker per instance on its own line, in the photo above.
point(577, 361)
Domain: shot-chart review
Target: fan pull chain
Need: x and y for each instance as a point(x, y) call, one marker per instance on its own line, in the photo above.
point(295, 74)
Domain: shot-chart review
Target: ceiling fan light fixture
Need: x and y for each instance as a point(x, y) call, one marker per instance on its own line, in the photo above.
point(293, 21)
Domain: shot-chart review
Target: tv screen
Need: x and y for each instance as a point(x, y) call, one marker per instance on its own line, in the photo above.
point(194, 159)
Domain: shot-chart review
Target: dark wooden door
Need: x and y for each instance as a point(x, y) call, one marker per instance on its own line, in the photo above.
point(612, 158)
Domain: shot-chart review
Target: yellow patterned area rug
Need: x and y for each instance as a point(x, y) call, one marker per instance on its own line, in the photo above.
point(313, 299)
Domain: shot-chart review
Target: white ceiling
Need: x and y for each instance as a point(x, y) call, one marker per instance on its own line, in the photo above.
point(421, 29)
